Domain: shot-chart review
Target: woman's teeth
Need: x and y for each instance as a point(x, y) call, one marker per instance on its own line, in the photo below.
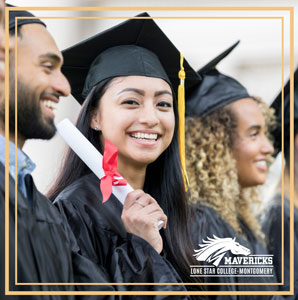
point(146, 136)
point(2, 65)
point(261, 163)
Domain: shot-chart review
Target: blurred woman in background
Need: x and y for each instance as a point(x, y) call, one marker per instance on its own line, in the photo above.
point(228, 151)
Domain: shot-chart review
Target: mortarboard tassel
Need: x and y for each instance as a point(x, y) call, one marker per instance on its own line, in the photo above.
point(181, 113)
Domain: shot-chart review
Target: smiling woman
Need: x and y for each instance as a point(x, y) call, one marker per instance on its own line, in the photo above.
point(251, 147)
point(128, 94)
point(145, 121)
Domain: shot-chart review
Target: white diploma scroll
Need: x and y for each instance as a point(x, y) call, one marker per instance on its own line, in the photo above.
point(91, 157)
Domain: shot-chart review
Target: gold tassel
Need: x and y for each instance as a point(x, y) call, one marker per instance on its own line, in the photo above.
point(181, 113)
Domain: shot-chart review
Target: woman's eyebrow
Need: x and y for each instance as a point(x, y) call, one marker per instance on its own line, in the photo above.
point(142, 92)
point(138, 91)
point(256, 127)
point(159, 93)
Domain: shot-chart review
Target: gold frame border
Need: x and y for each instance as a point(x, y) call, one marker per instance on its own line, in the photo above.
point(289, 9)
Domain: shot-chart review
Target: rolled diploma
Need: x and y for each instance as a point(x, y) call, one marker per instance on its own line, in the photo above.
point(91, 157)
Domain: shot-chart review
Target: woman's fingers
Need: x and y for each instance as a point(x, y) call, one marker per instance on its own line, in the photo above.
point(140, 216)
point(138, 200)
point(150, 208)
point(131, 198)
point(155, 216)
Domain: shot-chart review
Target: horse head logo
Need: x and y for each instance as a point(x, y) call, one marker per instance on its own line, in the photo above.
point(213, 250)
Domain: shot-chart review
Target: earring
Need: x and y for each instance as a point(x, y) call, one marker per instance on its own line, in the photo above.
point(96, 128)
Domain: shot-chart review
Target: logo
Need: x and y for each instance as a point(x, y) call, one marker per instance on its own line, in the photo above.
point(227, 257)
point(213, 250)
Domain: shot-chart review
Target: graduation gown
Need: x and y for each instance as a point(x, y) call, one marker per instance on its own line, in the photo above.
point(46, 249)
point(272, 227)
point(206, 223)
point(102, 238)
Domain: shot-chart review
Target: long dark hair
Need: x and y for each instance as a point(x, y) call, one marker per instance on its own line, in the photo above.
point(163, 182)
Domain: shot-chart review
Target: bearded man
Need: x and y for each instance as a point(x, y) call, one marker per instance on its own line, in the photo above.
point(43, 248)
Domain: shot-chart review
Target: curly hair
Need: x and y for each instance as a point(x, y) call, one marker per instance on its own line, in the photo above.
point(212, 171)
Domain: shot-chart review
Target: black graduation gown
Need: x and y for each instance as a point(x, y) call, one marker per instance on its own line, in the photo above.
point(206, 223)
point(272, 226)
point(47, 251)
point(102, 238)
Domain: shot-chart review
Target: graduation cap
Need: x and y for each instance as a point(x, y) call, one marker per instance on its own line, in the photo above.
point(21, 13)
point(277, 105)
point(216, 89)
point(136, 47)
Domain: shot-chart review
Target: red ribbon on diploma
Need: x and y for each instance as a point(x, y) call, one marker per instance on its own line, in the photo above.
point(109, 165)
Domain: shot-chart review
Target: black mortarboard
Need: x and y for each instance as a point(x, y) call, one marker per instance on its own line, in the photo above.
point(216, 89)
point(276, 104)
point(21, 13)
point(134, 47)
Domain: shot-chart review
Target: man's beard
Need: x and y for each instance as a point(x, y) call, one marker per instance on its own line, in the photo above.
point(31, 123)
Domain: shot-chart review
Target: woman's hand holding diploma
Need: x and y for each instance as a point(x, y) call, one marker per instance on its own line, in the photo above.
point(140, 217)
